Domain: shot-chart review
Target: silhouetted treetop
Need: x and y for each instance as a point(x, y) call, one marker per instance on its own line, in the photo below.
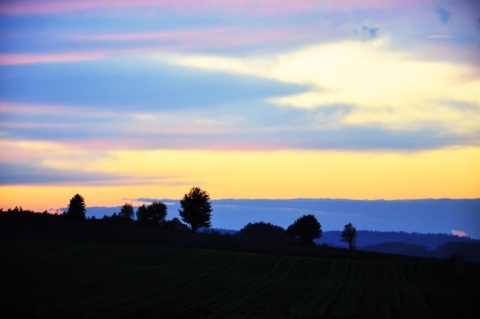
point(349, 235)
point(263, 230)
point(196, 209)
point(307, 228)
point(76, 208)
point(153, 214)
point(126, 212)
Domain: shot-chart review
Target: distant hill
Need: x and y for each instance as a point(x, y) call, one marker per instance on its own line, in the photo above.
point(469, 250)
point(421, 216)
point(369, 238)
point(410, 244)
point(398, 248)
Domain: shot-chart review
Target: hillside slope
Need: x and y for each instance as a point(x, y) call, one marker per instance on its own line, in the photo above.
point(58, 279)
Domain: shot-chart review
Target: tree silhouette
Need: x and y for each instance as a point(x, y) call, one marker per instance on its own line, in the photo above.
point(76, 208)
point(142, 214)
point(153, 214)
point(196, 209)
point(157, 213)
point(126, 212)
point(291, 233)
point(263, 230)
point(349, 235)
point(307, 227)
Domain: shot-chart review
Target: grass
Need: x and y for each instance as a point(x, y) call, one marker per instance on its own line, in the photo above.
point(61, 279)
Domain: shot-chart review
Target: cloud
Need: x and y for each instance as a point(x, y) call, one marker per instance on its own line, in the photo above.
point(365, 32)
point(389, 89)
point(194, 39)
point(31, 174)
point(19, 59)
point(342, 96)
point(459, 233)
point(125, 83)
point(443, 14)
point(264, 7)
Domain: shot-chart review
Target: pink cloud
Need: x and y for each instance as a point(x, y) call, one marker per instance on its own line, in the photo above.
point(13, 108)
point(233, 6)
point(459, 233)
point(206, 38)
point(20, 58)
point(373, 4)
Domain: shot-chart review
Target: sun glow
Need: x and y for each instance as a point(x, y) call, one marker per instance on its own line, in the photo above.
point(279, 174)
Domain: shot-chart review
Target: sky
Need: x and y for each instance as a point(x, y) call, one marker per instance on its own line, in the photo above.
point(120, 100)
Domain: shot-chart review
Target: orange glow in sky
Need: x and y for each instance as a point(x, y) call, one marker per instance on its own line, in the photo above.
point(282, 174)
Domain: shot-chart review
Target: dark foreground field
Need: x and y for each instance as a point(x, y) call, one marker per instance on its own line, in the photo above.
point(42, 278)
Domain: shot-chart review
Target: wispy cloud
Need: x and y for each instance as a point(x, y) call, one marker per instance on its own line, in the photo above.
point(26, 58)
point(386, 88)
point(250, 6)
point(198, 39)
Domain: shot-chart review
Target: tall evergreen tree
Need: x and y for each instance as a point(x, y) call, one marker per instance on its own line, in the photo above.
point(76, 208)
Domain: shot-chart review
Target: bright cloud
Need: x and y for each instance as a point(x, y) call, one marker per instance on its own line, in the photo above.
point(385, 88)
point(18, 59)
point(459, 233)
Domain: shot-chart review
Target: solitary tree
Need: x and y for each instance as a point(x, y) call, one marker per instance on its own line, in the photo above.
point(126, 212)
point(76, 208)
point(307, 227)
point(349, 235)
point(196, 209)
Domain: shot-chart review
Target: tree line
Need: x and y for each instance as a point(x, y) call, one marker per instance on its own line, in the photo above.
point(196, 211)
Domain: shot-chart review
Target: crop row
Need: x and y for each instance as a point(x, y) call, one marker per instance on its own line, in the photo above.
point(58, 279)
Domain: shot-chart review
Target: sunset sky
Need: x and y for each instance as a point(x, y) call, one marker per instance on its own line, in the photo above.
point(126, 99)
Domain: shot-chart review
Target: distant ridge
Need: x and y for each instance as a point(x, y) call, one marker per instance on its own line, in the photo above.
point(409, 215)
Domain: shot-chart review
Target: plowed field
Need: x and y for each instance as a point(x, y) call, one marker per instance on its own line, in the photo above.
point(56, 279)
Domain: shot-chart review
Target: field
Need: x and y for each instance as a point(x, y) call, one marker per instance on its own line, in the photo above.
point(68, 279)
